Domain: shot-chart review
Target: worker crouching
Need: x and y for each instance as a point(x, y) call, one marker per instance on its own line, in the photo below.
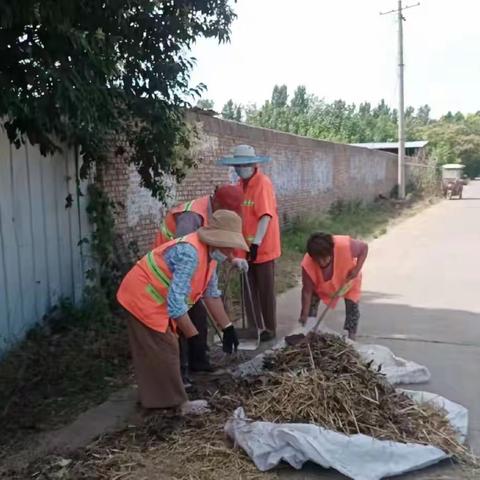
point(158, 292)
point(180, 221)
point(331, 269)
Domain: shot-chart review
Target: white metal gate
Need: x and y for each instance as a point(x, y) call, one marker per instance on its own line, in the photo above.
point(40, 260)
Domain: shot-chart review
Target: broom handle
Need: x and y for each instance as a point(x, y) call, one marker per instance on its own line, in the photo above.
point(326, 309)
point(213, 324)
point(250, 299)
point(242, 299)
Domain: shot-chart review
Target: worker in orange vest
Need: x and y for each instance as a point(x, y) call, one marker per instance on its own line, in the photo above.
point(333, 262)
point(157, 293)
point(182, 220)
point(262, 231)
point(188, 217)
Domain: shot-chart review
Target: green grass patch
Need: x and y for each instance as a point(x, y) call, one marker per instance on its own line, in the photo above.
point(356, 219)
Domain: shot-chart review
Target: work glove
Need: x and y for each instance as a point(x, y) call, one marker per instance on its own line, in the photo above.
point(241, 264)
point(252, 256)
point(230, 340)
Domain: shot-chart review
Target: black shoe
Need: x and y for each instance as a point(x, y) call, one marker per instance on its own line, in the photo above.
point(203, 366)
point(266, 336)
point(187, 382)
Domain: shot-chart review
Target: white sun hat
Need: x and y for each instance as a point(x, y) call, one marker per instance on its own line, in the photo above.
point(243, 155)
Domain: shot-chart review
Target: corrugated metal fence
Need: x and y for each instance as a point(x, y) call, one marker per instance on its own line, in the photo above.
point(40, 259)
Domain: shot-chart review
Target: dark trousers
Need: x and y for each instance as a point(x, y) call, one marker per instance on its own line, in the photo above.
point(352, 313)
point(198, 316)
point(261, 277)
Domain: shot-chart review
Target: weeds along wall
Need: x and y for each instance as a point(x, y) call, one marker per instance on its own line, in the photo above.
point(308, 175)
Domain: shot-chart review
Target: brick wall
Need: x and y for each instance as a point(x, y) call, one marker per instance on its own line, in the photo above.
point(308, 175)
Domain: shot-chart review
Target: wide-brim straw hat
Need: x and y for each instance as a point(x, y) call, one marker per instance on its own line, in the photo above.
point(243, 155)
point(224, 230)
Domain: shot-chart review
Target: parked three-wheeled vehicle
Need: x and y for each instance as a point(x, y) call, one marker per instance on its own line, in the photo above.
point(452, 180)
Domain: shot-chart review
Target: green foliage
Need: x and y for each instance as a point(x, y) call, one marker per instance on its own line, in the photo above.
point(83, 71)
point(105, 276)
point(456, 138)
point(232, 111)
point(308, 115)
point(453, 138)
point(279, 96)
point(300, 102)
point(356, 219)
point(205, 104)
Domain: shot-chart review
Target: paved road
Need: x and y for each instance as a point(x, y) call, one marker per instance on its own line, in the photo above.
point(422, 300)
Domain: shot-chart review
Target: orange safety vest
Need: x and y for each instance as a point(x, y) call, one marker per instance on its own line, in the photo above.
point(168, 227)
point(259, 200)
point(343, 262)
point(144, 290)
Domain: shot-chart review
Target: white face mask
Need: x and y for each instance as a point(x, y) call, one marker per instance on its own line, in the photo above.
point(245, 172)
point(218, 256)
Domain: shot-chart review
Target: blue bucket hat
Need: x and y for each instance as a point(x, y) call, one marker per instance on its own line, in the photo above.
point(243, 155)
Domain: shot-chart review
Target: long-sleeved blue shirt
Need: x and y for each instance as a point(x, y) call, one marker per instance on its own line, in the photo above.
point(182, 260)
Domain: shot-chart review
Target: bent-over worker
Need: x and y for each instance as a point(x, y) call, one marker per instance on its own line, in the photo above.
point(332, 262)
point(262, 231)
point(157, 292)
point(182, 220)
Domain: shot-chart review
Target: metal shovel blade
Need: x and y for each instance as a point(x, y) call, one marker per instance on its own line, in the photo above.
point(249, 345)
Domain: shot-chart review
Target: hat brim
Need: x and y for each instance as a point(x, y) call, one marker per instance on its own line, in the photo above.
point(233, 161)
point(222, 238)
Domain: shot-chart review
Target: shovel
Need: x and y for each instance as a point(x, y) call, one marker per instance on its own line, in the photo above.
point(249, 337)
point(298, 338)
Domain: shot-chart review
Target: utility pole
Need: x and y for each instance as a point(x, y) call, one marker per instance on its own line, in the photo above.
point(401, 98)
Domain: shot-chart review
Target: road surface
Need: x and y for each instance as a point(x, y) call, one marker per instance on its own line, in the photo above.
point(422, 300)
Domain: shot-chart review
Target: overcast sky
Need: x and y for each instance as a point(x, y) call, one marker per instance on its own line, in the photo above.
point(345, 49)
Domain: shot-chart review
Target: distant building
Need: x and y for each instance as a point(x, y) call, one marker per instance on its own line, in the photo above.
point(412, 149)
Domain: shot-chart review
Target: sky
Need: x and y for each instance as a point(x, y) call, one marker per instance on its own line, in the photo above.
point(346, 49)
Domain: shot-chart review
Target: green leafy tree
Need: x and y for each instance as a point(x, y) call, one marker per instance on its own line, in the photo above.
point(205, 104)
point(300, 101)
point(423, 114)
point(82, 71)
point(453, 138)
point(279, 97)
point(232, 111)
point(238, 113)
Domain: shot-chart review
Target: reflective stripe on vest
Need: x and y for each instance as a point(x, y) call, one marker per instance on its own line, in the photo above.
point(155, 269)
point(154, 294)
point(166, 232)
point(162, 277)
point(144, 290)
point(188, 206)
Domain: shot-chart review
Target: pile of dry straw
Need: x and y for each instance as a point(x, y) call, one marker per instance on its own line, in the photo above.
point(324, 381)
point(321, 381)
